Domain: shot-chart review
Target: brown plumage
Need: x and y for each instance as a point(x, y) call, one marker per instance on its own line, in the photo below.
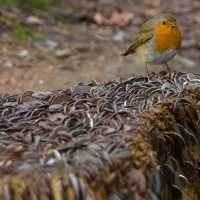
point(140, 39)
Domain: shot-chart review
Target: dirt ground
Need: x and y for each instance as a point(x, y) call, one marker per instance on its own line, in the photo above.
point(81, 41)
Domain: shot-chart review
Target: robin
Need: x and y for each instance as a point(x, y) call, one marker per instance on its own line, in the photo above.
point(158, 41)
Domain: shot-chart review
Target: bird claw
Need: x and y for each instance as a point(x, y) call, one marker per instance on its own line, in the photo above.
point(147, 74)
point(168, 68)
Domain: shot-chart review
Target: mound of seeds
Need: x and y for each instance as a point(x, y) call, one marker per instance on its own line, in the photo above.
point(124, 139)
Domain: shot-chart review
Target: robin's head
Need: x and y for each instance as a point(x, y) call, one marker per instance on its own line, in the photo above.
point(167, 20)
point(164, 21)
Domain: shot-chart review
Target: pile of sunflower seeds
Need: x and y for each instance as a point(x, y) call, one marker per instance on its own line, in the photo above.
point(124, 139)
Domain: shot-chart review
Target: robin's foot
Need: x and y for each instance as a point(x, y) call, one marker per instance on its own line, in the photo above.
point(147, 72)
point(168, 68)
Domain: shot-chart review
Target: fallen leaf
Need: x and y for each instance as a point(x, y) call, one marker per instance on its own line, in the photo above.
point(8, 14)
point(4, 81)
point(34, 20)
point(63, 53)
point(121, 18)
point(8, 64)
point(98, 18)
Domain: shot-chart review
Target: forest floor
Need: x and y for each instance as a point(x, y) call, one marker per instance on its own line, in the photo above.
point(82, 40)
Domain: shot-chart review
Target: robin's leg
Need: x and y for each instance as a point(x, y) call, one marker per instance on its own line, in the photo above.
point(167, 67)
point(147, 70)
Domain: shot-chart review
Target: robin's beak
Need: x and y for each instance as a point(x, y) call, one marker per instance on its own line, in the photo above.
point(173, 25)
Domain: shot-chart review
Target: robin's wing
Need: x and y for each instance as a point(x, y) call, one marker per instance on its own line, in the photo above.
point(140, 39)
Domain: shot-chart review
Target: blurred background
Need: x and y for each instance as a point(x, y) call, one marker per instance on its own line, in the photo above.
point(54, 44)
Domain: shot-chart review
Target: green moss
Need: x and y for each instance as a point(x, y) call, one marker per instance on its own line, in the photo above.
point(9, 2)
point(33, 6)
point(24, 33)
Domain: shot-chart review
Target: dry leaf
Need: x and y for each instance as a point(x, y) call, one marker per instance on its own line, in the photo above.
point(63, 53)
point(8, 14)
point(4, 81)
point(121, 18)
point(34, 20)
point(98, 18)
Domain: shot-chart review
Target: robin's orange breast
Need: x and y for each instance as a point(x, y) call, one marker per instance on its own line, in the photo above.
point(167, 37)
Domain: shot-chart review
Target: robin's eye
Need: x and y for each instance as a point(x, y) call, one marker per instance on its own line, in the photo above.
point(164, 23)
